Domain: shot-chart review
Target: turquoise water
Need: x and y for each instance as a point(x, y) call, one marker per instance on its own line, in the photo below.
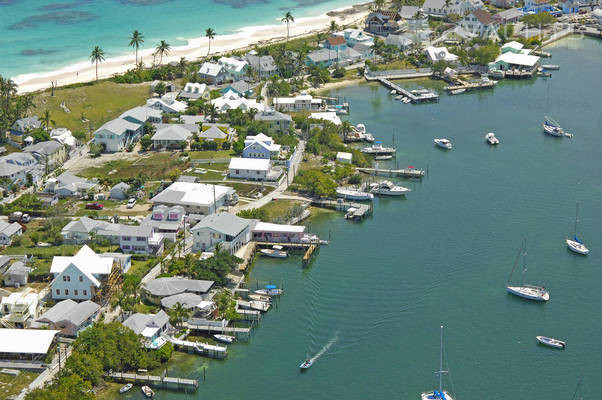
point(44, 35)
point(382, 288)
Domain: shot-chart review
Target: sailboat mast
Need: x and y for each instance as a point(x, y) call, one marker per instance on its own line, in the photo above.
point(441, 360)
point(515, 263)
point(576, 218)
point(524, 262)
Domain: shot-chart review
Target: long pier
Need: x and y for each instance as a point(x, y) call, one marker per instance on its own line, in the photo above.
point(166, 382)
point(415, 98)
point(239, 333)
point(470, 86)
point(354, 211)
point(406, 172)
point(205, 349)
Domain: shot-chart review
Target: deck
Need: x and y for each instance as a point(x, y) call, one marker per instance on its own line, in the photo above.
point(166, 382)
point(359, 212)
point(205, 349)
point(239, 333)
point(415, 98)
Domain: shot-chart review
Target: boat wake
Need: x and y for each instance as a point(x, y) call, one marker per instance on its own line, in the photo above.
point(326, 347)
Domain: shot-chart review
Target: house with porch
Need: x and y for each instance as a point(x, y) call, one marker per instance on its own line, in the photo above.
point(402, 42)
point(241, 88)
point(167, 104)
point(140, 115)
point(301, 102)
point(231, 101)
point(137, 239)
point(82, 230)
point(69, 317)
point(213, 73)
point(537, 6)
point(8, 231)
point(231, 231)
point(19, 309)
point(149, 326)
point(434, 54)
point(264, 65)
point(195, 198)
point(117, 134)
point(481, 23)
point(167, 221)
point(254, 169)
point(236, 68)
point(67, 184)
point(260, 146)
point(382, 22)
point(278, 122)
point(278, 233)
point(28, 345)
point(171, 136)
point(509, 16)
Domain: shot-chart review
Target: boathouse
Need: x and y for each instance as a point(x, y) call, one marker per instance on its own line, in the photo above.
point(278, 233)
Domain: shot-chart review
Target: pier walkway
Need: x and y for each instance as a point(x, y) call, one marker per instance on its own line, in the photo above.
point(470, 86)
point(205, 349)
point(166, 382)
point(354, 211)
point(414, 97)
point(239, 333)
point(406, 172)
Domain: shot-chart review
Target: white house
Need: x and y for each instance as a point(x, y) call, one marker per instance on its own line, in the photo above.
point(137, 239)
point(8, 232)
point(167, 104)
point(81, 230)
point(301, 102)
point(194, 91)
point(167, 221)
point(117, 134)
point(481, 23)
point(402, 42)
point(16, 275)
point(195, 198)
point(459, 7)
point(149, 326)
point(231, 231)
point(78, 277)
point(171, 136)
point(329, 116)
point(18, 308)
point(345, 158)
point(256, 169)
point(67, 184)
point(231, 100)
point(141, 114)
point(213, 72)
point(435, 54)
point(264, 65)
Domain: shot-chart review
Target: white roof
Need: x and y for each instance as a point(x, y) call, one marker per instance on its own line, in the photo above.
point(269, 227)
point(210, 69)
point(149, 332)
point(344, 156)
point(231, 100)
point(192, 87)
point(172, 132)
point(253, 164)
point(327, 116)
point(440, 53)
point(188, 193)
point(513, 45)
point(28, 341)
point(232, 63)
point(518, 59)
point(261, 137)
point(85, 260)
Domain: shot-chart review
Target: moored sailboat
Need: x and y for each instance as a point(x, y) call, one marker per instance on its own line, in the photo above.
point(575, 244)
point(530, 292)
point(438, 394)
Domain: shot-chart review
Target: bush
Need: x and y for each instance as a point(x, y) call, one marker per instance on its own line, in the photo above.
point(355, 179)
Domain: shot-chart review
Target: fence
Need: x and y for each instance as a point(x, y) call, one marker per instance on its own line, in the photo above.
point(210, 160)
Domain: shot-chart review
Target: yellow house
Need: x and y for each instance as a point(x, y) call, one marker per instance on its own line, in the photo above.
point(51, 152)
point(218, 133)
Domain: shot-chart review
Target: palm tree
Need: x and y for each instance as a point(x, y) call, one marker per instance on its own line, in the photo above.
point(163, 48)
point(8, 88)
point(345, 129)
point(97, 56)
point(447, 4)
point(288, 18)
point(211, 111)
point(47, 121)
point(135, 41)
point(209, 34)
point(333, 26)
point(252, 112)
point(178, 314)
point(182, 66)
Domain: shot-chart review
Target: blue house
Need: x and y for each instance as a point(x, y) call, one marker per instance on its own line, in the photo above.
point(537, 6)
point(569, 6)
point(260, 146)
point(24, 125)
point(335, 43)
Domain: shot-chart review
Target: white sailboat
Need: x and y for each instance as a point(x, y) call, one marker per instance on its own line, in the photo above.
point(438, 394)
point(575, 244)
point(551, 127)
point(530, 292)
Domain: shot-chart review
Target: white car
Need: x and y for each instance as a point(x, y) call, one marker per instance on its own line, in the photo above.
point(131, 203)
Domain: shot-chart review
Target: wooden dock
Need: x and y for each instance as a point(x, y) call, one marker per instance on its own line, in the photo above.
point(239, 333)
point(415, 98)
point(354, 211)
point(471, 86)
point(253, 305)
point(166, 382)
point(309, 247)
point(204, 349)
point(308, 253)
point(406, 173)
point(248, 315)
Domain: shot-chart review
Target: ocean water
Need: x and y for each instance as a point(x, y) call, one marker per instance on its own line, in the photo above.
point(45, 35)
point(374, 298)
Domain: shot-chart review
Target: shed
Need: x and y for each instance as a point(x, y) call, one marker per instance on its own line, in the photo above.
point(16, 275)
point(120, 191)
point(344, 157)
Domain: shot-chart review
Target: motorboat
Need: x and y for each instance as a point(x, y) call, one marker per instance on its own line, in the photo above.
point(354, 194)
point(439, 394)
point(157, 343)
point(393, 91)
point(224, 338)
point(457, 91)
point(125, 388)
point(361, 128)
point(551, 342)
point(577, 246)
point(491, 139)
point(350, 213)
point(552, 127)
point(276, 252)
point(260, 297)
point(405, 100)
point(383, 157)
point(270, 290)
point(399, 97)
point(387, 188)
point(368, 137)
point(550, 66)
point(306, 364)
point(443, 143)
point(378, 149)
point(147, 391)
point(529, 292)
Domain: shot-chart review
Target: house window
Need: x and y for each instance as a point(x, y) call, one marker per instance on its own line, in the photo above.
point(58, 292)
point(125, 247)
point(75, 292)
point(140, 238)
point(81, 278)
point(66, 292)
point(126, 238)
point(85, 292)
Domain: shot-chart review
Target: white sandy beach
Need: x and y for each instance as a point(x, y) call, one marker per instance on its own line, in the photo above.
point(195, 49)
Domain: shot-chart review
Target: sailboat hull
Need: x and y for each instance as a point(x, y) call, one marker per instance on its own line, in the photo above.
point(577, 247)
point(435, 395)
point(529, 293)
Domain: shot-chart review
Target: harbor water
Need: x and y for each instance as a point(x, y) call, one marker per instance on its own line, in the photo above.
point(372, 301)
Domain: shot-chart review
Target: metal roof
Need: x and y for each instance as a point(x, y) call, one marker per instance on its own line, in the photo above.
point(162, 287)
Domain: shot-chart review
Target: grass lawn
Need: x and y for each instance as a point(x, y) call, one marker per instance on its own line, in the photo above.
point(349, 76)
point(248, 189)
point(207, 154)
point(277, 208)
point(398, 64)
point(11, 385)
point(99, 102)
point(155, 166)
point(141, 267)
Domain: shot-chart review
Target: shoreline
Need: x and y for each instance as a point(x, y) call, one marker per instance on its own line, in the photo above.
point(194, 50)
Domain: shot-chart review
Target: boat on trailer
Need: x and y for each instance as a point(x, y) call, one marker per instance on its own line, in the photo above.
point(551, 342)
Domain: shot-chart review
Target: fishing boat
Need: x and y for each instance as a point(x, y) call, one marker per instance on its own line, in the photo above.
point(270, 290)
point(383, 158)
point(438, 394)
point(276, 252)
point(530, 292)
point(491, 139)
point(575, 244)
point(126, 388)
point(306, 364)
point(378, 149)
point(388, 188)
point(551, 342)
point(147, 391)
point(552, 127)
point(443, 143)
point(224, 338)
point(354, 194)
point(457, 91)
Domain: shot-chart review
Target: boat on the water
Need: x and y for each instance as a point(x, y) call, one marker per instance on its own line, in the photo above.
point(157, 343)
point(368, 137)
point(388, 188)
point(551, 127)
point(276, 252)
point(406, 100)
point(529, 292)
point(306, 364)
point(457, 91)
point(270, 290)
point(551, 67)
point(126, 388)
point(224, 338)
point(399, 97)
point(491, 139)
point(438, 394)
point(147, 391)
point(260, 297)
point(383, 158)
point(354, 194)
point(575, 244)
point(443, 143)
point(551, 342)
point(378, 149)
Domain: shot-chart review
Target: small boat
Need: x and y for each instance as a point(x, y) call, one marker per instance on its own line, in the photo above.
point(147, 391)
point(443, 143)
point(306, 364)
point(529, 292)
point(393, 91)
point(387, 188)
point(270, 290)
point(383, 158)
point(551, 342)
point(350, 213)
point(157, 343)
point(491, 139)
point(368, 137)
point(400, 97)
point(457, 91)
point(550, 66)
point(420, 91)
point(438, 394)
point(575, 244)
point(224, 338)
point(552, 127)
point(354, 194)
point(125, 388)
point(378, 149)
point(276, 252)
point(260, 297)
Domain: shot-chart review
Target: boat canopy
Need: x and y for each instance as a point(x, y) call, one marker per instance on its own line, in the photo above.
point(378, 142)
point(270, 286)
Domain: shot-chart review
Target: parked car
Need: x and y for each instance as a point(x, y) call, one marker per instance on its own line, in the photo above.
point(94, 206)
point(131, 203)
point(18, 216)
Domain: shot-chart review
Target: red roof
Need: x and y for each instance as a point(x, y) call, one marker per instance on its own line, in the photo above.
point(483, 16)
point(336, 40)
